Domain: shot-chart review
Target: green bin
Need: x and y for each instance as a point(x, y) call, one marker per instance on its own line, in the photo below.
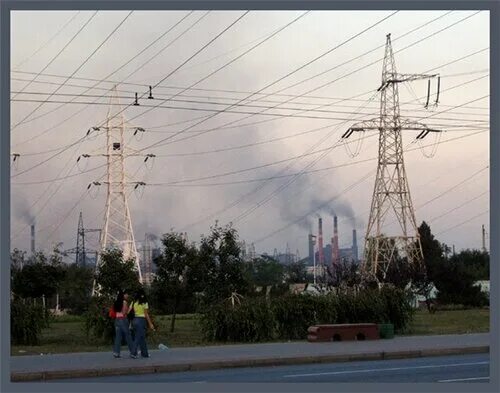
point(386, 330)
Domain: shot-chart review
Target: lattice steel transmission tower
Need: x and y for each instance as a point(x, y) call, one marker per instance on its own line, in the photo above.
point(391, 193)
point(117, 230)
point(80, 250)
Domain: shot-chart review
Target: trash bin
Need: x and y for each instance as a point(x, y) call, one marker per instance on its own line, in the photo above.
point(386, 330)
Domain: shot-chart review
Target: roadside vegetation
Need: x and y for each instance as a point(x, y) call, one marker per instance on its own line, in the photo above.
point(209, 294)
point(66, 334)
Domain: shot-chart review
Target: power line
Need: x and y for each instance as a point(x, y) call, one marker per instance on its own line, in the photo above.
point(131, 59)
point(79, 67)
point(238, 105)
point(257, 100)
point(220, 127)
point(48, 41)
point(186, 61)
point(180, 183)
point(62, 50)
point(162, 142)
point(458, 207)
point(121, 67)
point(360, 56)
point(463, 222)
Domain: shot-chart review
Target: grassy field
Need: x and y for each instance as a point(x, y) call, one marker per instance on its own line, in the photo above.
point(450, 322)
point(66, 334)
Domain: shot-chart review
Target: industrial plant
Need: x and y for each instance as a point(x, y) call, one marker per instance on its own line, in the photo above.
point(321, 255)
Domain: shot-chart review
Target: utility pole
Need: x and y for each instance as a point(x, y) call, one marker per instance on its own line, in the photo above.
point(391, 194)
point(484, 238)
point(117, 231)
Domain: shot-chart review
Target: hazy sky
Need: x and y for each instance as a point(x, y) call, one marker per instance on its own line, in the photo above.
point(337, 90)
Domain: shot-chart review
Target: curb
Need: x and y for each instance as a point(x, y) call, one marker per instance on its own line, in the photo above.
point(251, 362)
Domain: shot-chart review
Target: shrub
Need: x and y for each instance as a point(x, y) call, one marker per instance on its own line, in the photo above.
point(26, 322)
point(288, 317)
point(250, 321)
point(295, 313)
point(98, 325)
point(398, 309)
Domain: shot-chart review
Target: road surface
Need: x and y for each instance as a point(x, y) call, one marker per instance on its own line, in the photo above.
point(446, 369)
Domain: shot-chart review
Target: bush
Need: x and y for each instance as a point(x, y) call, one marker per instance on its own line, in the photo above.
point(295, 313)
point(26, 322)
point(98, 325)
point(288, 317)
point(398, 308)
point(250, 321)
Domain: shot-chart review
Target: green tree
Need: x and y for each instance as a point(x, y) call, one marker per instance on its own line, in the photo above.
point(296, 273)
point(476, 262)
point(115, 273)
point(75, 290)
point(455, 285)
point(176, 265)
point(265, 272)
point(42, 276)
point(220, 257)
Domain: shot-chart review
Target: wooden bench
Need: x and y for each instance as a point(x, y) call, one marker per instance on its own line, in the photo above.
point(343, 332)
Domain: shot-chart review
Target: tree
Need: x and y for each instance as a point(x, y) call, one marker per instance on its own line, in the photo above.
point(453, 277)
point(296, 272)
point(476, 262)
point(175, 265)
point(265, 272)
point(116, 274)
point(455, 285)
point(75, 290)
point(42, 276)
point(220, 257)
point(344, 274)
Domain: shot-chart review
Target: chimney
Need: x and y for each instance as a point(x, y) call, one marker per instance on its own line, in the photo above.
point(335, 242)
point(320, 242)
point(311, 249)
point(354, 246)
point(32, 239)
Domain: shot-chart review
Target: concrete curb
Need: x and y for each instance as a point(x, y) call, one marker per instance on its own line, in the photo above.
point(251, 362)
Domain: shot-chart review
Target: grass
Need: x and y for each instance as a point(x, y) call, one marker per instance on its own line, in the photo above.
point(66, 333)
point(450, 322)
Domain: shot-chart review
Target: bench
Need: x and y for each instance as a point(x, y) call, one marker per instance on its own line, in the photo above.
point(343, 332)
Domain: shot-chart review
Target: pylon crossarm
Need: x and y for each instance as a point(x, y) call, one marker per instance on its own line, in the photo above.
point(398, 78)
point(410, 125)
point(367, 125)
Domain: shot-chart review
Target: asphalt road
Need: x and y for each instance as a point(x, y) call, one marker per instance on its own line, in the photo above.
point(459, 368)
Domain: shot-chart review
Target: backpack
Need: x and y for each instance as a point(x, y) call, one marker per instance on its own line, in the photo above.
point(131, 313)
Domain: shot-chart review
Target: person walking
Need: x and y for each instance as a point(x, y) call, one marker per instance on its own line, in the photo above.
point(141, 317)
point(121, 324)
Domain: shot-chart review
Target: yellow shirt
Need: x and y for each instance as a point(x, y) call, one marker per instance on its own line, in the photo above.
point(139, 309)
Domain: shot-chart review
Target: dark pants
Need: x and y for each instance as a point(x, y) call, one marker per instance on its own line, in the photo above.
point(122, 330)
point(139, 325)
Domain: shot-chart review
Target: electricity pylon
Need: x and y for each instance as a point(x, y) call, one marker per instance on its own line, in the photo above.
point(117, 231)
point(391, 194)
point(80, 250)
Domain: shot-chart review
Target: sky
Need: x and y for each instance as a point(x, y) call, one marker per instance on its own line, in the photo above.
point(272, 163)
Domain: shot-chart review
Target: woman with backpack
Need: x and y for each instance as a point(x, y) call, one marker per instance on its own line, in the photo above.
point(139, 309)
point(120, 308)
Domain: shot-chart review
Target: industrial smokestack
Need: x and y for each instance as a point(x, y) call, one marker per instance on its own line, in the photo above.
point(311, 249)
point(32, 239)
point(320, 242)
point(335, 242)
point(354, 246)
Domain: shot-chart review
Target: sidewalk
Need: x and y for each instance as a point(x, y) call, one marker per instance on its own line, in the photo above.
point(95, 364)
